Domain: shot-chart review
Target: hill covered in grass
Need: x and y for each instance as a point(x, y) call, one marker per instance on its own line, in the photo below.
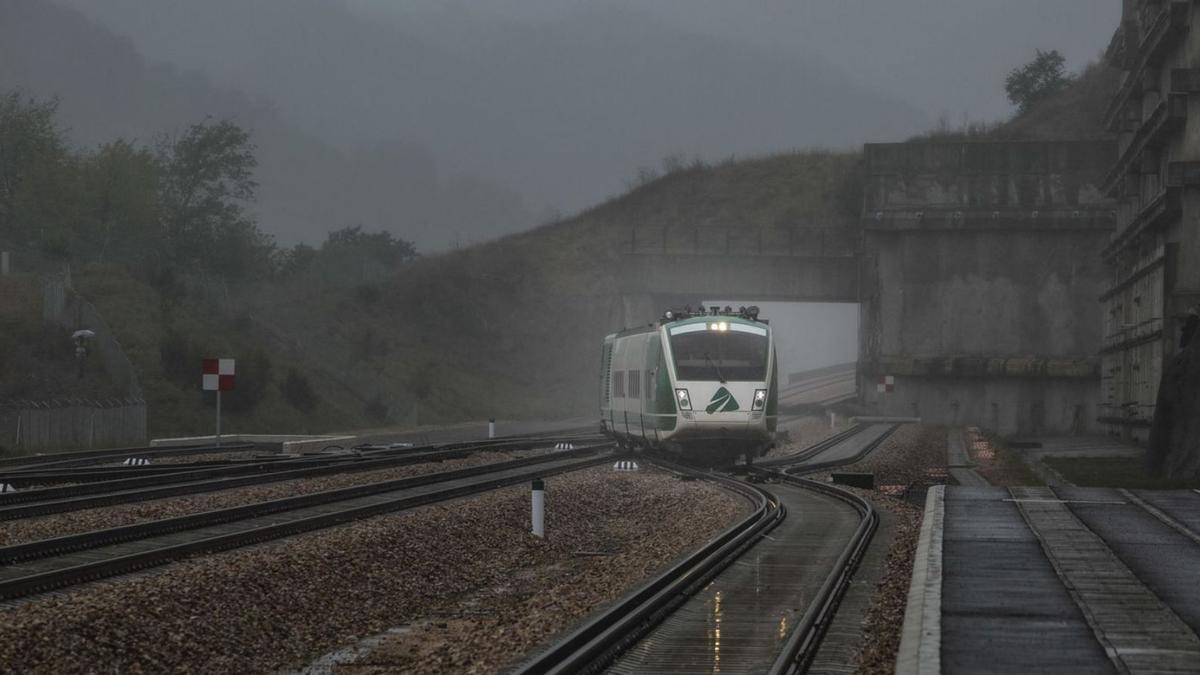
point(513, 327)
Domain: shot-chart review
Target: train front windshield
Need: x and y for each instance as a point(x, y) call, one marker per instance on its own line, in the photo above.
point(720, 356)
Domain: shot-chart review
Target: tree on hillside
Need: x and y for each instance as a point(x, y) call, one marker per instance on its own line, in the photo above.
point(120, 202)
point(33, 162)
point(207, 177)
point(382, 246)
point(349, 256)
point(1044, 76)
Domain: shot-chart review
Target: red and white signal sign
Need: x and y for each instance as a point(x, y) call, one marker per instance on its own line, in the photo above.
point(887, 384)
point(218, 374)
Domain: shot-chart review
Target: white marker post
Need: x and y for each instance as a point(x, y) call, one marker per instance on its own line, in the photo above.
point(218, 417)
point(492, 427)
point(832, 420)
point(539, 508)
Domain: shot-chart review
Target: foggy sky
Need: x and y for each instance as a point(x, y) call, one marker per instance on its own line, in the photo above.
point(562, 100)
point(941, 56)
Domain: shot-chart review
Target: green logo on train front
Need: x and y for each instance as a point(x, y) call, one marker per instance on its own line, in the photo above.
point(722, 401)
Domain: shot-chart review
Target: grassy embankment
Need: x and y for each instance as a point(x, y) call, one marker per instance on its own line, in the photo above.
point(512, 328)
point(37, 360)
point(149, 326)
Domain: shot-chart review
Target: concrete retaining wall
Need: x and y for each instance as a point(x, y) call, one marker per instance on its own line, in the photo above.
point(981, 278)
point(1009, 406)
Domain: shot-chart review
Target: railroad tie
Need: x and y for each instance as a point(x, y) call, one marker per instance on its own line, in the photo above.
point(1138, 631)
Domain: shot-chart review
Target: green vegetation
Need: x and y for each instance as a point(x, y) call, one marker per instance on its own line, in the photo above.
point(1074, 110)
point(37, 360)
point(166, 339)
point(1124, 472)
point(180, 206)
point(1037, 80)
point(161, 242)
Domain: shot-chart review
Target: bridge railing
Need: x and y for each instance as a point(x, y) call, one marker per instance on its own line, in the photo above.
point(797, 242)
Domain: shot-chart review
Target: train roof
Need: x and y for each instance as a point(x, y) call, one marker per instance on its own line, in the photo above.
point(686, 321)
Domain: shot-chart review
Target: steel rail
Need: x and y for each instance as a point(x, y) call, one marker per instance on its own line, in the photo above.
point(805, 639)
point(147, 474)
point(596, 644)
point(74, 473)
point(830, 464)
point(602, 638)
point(91, 495)
point(86, 474)
point(71, 543)
point(91, 456)
point(90, 571)
point(83, 457)
point(813, 450)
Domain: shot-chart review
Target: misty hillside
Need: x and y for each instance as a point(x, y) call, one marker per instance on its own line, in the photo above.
point(1075, 112)
point(600, 89)
point(308, 186)
point(513, 327)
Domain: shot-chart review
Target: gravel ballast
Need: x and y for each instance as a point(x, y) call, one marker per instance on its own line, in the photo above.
point(884, 621)
point(803, 433)
point(905, 465)
point(466, 574)
point(910, 460)
point(75, 522)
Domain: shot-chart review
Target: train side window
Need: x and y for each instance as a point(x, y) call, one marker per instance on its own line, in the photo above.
point(619, 384)
point(633, 384)
point(650, 385)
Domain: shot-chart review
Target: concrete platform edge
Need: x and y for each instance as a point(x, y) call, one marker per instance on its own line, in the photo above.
point(921, 637)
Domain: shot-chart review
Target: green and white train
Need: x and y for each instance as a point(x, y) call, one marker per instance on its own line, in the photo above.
point(702, 385)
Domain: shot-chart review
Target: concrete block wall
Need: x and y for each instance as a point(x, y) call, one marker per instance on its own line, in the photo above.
point(1009, 406)
point(979, 257)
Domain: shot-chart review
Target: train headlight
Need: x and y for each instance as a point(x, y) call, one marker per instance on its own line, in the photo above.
point(760, 399)
point(684, 399)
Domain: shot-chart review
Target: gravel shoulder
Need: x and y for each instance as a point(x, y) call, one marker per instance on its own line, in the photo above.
point(213, 457)
point(75, 522)
point(910, 461)
point(464, 575)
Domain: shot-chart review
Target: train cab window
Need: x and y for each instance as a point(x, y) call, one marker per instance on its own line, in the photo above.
point(724, 356)
point(618, 384)
point(633, 384)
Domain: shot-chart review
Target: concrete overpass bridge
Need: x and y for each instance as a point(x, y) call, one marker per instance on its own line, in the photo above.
point(975, 263)
point(664, 266)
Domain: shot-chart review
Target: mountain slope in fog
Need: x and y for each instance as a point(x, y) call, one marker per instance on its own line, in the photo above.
point(563, 110)
point(308, 186)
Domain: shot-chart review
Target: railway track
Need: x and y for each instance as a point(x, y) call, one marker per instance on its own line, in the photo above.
point(41, 566)
point(746, 578)
point(84, 457)
point(86, 495)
